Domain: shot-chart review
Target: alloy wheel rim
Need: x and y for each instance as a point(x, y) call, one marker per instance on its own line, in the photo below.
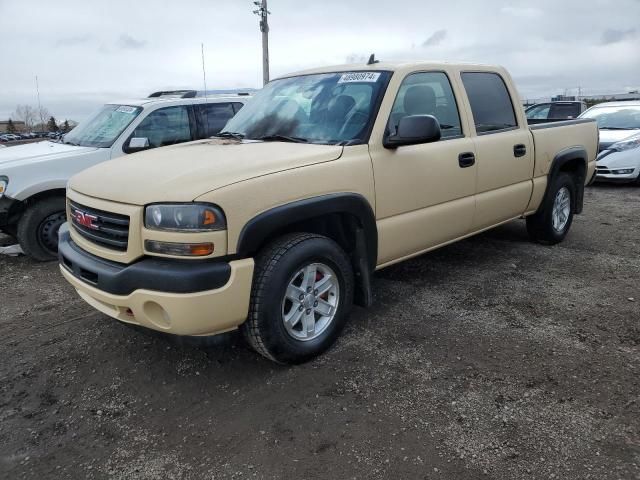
point(561, 209)
point(310, 302)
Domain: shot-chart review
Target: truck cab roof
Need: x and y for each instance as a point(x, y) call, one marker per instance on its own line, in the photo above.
point(394, 67)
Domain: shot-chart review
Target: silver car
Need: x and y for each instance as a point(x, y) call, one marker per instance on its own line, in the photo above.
point(619, 124)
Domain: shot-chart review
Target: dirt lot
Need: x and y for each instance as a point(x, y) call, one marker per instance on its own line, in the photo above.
point(492, 358)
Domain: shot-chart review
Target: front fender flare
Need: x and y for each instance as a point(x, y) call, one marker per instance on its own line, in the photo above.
point(262, 226)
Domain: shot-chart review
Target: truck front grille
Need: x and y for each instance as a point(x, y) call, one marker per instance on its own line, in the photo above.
point(107, 229)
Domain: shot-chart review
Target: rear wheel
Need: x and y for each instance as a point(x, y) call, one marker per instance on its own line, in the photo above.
point(301, 298)
point(551, 223)
point(38, 228)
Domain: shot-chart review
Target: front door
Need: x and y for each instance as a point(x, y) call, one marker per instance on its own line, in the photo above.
point(424, 193)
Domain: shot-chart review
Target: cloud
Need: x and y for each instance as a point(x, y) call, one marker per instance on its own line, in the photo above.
point(612, 35)
point(435, 39)
point(522, 12)
point(73, 40)
point(127, 42)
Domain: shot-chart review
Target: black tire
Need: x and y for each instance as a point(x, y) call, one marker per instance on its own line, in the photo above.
point(275, 266)
point(10, 230)
point(38, 228)
point(540, 225)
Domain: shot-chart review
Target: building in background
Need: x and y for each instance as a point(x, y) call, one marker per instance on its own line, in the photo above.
point(20, 126)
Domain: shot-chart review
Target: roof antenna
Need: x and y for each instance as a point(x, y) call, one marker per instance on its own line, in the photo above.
point(204, 72)
point(372, 59)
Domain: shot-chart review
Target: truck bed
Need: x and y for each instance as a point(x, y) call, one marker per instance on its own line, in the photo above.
point(551, 138)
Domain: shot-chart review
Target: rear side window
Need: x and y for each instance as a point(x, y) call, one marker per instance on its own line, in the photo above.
point(564, 110)
point(490, 102)
point(214, 116)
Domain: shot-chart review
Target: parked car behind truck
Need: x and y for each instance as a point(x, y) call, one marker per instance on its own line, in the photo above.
point(619, 157)
point(325, 177)
point(32, 208)
point(559, 110)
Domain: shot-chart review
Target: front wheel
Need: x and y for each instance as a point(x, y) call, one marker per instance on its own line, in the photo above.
point(38, 228)
point(301, 298)
point(551, 223)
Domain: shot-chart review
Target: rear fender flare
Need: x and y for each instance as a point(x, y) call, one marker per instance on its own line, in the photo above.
point(561, 159)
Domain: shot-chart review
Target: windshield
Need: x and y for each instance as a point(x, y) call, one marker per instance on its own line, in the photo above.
point(103, 128)
point(328, 108)
point(615, 118)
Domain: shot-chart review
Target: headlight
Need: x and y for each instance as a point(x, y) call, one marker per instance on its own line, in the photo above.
point(626, 144)
point(4, 181)
point(184, 217)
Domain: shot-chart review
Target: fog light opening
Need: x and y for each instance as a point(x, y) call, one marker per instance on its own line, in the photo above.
point(157, 315)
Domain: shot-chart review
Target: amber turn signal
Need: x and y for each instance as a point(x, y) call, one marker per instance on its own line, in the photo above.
point(179, 249)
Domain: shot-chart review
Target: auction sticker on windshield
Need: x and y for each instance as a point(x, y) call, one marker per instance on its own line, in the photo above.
point(359, 77)
point(126, 109)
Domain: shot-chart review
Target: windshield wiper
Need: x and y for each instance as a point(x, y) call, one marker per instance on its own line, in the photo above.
point(236, 135)
point(71, 143)
point(616, 128)
point(282, 138)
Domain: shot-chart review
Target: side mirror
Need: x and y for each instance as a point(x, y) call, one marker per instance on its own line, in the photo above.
point(413, 130)
point(136, 144)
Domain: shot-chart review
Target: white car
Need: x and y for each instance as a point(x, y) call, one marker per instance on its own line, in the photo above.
point(33, 177)
point(619, 125)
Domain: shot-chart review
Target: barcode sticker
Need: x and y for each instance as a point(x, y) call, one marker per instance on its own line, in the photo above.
point(359, 77)
point(125, 109)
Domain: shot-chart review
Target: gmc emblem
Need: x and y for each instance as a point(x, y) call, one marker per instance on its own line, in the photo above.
point(85, 219)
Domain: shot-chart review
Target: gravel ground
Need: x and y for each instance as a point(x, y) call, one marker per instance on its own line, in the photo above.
point(492, 358)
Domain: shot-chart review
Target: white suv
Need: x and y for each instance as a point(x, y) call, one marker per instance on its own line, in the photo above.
point(33, 177)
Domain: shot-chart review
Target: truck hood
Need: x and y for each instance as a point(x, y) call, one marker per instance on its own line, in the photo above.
point(38, 152)
point(184, 172)
point(609, 137)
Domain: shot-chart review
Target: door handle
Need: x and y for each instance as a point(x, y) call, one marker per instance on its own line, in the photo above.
point(519, 150)
point(466, 159)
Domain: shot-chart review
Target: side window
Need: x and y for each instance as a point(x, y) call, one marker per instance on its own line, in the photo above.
point(237, 106)
point(490, 101)
point(214, 116)
point(165, 126)
point(427, 93)
point(540, 112)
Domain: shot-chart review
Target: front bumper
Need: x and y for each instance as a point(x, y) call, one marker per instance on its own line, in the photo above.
point(182, 298)
point(8, 207)
point(611, 162)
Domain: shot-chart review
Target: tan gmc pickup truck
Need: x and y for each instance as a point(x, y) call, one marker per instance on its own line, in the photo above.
point(277, 225)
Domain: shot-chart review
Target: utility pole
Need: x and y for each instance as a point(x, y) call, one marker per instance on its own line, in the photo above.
point(39, 106)
point(262, 12)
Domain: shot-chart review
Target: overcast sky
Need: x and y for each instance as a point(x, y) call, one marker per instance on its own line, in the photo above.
point(86, 52)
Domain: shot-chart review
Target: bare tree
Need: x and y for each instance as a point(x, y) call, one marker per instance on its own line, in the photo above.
point(43, 115)
point(27, 114)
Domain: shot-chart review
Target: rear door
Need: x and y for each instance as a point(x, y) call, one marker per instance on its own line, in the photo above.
point(504, 150)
